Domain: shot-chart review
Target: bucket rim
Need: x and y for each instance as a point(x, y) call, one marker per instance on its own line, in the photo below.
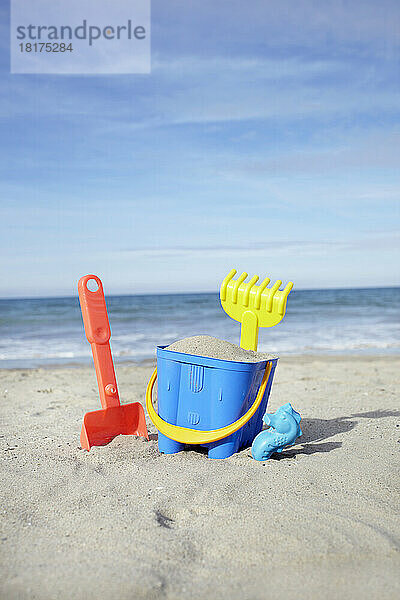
point(214, 363)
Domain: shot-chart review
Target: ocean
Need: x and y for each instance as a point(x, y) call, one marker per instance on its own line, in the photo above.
point(46, 331)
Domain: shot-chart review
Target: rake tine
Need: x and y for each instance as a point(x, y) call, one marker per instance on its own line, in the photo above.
point(285, 294)
point(247, 289)
point(260, 290)
point(225, 282)
point(272, 291)
point(236, 287)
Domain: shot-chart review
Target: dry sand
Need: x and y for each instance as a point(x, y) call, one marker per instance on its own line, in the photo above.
point(212, 347)
point(123, 522)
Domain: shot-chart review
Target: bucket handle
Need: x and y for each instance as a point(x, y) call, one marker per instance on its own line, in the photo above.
point(185, 435)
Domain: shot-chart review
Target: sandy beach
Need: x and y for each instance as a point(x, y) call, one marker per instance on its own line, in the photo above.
point(123, 521)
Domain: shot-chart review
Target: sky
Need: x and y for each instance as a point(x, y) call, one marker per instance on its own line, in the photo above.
point(265, 138)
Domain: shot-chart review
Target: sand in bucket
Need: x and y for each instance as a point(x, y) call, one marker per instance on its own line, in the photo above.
point(212, 347)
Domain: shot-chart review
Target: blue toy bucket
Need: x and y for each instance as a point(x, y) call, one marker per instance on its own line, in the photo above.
point(205, 394)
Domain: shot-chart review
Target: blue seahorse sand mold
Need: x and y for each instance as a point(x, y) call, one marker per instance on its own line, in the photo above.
point(284, 429)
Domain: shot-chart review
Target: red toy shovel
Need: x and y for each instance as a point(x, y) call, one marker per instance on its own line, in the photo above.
point(101, 426)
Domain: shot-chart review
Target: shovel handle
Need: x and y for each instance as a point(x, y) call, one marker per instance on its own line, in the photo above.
point(98, 333)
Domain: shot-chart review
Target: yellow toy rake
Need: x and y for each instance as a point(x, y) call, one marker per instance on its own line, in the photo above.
point(253, 305)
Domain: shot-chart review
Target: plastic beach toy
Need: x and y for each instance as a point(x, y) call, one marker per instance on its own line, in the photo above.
point(207, 401)
point(283, 432)
point(101, 426)
point(253, 305)
point(213, 402)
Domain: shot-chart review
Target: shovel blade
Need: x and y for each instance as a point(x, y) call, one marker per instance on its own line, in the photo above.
point(101, 426)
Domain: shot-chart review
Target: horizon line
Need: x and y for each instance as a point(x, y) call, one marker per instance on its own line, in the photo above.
point(197, 293)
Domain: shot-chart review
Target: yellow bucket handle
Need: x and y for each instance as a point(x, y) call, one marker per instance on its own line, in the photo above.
point(196, 436)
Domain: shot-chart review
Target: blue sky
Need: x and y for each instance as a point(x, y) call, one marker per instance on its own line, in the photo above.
point(265, 138)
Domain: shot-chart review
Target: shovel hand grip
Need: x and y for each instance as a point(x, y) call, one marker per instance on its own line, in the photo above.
point(98, 333)
point(94, 311)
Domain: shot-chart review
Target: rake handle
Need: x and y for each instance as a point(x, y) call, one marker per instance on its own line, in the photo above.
point(249, 331)
point(98, 333)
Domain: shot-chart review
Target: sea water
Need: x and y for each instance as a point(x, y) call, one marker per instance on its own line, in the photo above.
point(44, 331)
